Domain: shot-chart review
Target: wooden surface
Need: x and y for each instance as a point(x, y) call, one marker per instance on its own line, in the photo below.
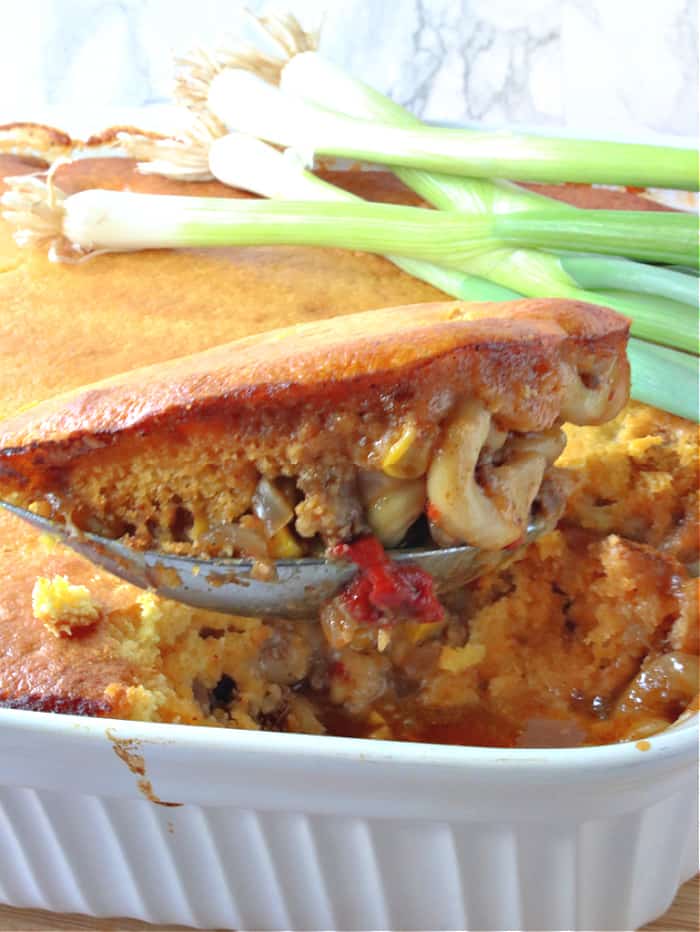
point(683, 915)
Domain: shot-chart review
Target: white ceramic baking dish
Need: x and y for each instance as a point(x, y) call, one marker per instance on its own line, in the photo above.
point(298, 832)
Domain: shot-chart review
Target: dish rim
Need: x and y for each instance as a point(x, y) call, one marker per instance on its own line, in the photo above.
point(675, 743)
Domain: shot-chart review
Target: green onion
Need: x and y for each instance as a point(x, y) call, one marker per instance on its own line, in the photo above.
point(540, 275)
point(249, 164)
point(317, 81)
point(499, 275)
point(97, 219)
point(535, 271)
point(478, 195)
point(457, 284)
point(605, 272)
point(115, 220)
point(638, 234)
point(664, 378)
point(311, 78)
point(248, 104)
point(654, 311)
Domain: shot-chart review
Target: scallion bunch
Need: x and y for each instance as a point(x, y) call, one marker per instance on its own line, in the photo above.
point(489, 239)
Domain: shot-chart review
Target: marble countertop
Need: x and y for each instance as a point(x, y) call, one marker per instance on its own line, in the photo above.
point(619, 68)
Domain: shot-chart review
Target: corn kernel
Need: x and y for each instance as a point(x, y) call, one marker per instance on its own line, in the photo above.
point(375, 719)
point(551, 545)
point(48, 542)
point(383, 639)
point(459, 659)
point(284, 546)
point(399, 448)
point(640, 446)
point(200, 525)
point(407, 457)
point(43, 509)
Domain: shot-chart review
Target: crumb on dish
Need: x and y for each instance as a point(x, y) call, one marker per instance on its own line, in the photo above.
point(62, 607)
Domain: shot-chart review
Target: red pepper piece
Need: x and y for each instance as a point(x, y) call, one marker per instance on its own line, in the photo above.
point(383, 588)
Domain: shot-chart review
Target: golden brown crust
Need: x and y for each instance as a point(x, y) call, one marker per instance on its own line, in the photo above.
point(110, 136)
point(516, 356)
point(61, 327)
point(35, 139)
point(50, 143)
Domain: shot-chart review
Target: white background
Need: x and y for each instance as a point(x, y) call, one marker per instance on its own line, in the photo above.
point(619, 67)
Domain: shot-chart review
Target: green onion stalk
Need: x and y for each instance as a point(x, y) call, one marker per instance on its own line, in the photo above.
point(248, 104)
point(313, 79)
point(601, 272)
point(664, 378)
point(453, 237)
point(305, 75)
point(309, 77)
point(247, 163)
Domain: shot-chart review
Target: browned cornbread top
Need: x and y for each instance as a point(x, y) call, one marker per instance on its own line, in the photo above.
point(517, 357)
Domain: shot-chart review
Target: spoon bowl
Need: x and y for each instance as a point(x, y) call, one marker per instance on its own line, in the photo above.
point(289, 588)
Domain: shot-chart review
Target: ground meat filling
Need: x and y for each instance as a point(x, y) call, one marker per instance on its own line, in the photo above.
point(460, 480)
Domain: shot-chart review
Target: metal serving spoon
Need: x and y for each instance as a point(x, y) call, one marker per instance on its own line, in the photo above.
point(297, 587)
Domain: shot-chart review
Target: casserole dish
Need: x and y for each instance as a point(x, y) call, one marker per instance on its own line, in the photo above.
point(299, 832)
point(219, 828)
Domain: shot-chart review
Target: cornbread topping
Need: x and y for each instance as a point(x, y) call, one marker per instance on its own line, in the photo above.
point(589, 636)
